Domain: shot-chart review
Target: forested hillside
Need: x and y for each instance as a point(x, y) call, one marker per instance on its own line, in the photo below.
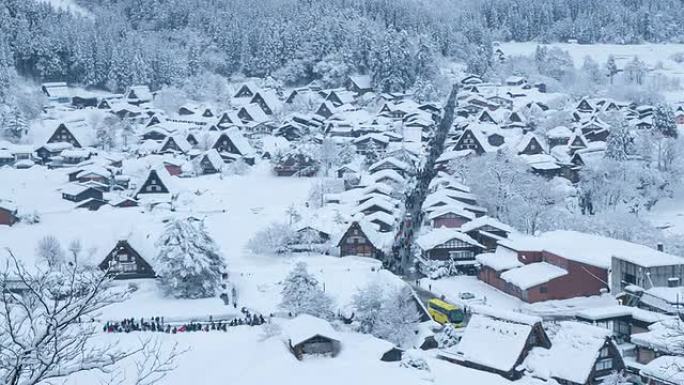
point(161, 42)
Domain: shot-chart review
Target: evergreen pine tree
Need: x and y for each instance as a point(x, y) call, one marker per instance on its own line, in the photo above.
point(301, 294)
point(620, 143)
point(611, 68)
point(190, 263)
point(664, 121)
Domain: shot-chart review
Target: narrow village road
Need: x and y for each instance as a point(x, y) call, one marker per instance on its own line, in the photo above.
point(401, 260)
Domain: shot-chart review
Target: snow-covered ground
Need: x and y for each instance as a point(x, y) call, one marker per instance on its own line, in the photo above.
point(242, 356)
point(67, 5)
point(668, 214)
point(651, 54)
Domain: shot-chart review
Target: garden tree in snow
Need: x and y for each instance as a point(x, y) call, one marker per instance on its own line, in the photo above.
point(12, 119)
point(50, 250)
point(332, 70)
point(293, 215)
point(557, 64)
point(635, 70)
point(169, 99)
point(502, 182)
point(540, 57)
point(400, 317)
point(414, 359)
point(592, 70)
point(42, 336)
point(106, 129)
point(664, 120)
point(613, 185)
point(611, 68)
point(7, 73)
point(190, 264)
point(274, 239)
point(391, 66)
point(328, 155)
point(301, 294)
point(448, 336)
point(367, 303)
point(390, 314)
point(619, 378)
point(620, 142)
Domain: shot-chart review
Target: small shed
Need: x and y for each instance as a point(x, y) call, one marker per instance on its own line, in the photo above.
point(308, 335)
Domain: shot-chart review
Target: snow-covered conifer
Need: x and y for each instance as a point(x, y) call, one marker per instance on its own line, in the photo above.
point(190, 264)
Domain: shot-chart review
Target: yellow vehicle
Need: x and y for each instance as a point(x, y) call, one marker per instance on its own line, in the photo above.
point(444, 312)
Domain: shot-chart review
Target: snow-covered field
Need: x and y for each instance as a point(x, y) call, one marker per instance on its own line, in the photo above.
point(242, 356)
point(67, 5)
point(651, 54)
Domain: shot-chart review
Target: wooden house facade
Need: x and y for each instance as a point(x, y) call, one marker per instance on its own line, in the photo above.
point(125, 262)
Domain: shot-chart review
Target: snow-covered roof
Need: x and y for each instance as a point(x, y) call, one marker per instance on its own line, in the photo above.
point(501, 259)
point(493, 343)
point(376, 137)
point(387, 174)
point(451, 210)
point(484, 221)
point(615, 311)
point(215, 159)
point(255, 112)
point(270, 98)
point(238, 140)
point(361, 81)
point(391, 161)
point(665, 336)
point(666, 369)
point(670, 295)
point(180, 140)
point(574, 349)
point(442, 235)
point(163, 175)
point(141, 92)
point(385, 204)
point(591, 249)
point(533, 274)
point(559, 132)
point(304, 326)
point(525, 141)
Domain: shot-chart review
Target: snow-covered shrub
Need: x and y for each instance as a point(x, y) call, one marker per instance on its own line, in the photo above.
point(190, 264)
point(270, 329)
point(302, 294)
point(238, 167)
point(437, 269)
point(677, 57)
point(30, 218)
point(388, 314)
point(447, 337)
point(414, 359)
point(367, 303)
point(274, 239)
point(50, 250)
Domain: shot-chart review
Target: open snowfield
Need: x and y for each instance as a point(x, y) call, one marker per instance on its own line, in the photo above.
point(242, 356)
point(668, 214)
point(67, 6)
point(651, 54)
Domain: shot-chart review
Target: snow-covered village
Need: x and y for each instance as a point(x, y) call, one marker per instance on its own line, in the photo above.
point(245, 192)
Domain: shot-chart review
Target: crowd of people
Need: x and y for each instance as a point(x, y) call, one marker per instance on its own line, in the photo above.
point(157, 324)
